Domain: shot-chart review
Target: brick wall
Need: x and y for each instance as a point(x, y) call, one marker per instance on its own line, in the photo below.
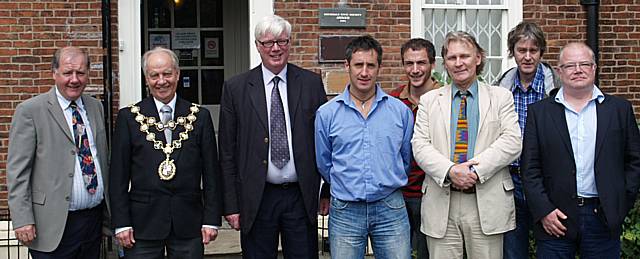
point(619, 39)
point(30, 32)
point(387, 21)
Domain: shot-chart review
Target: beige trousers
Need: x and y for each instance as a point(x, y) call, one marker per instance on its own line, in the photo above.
point(464, 233)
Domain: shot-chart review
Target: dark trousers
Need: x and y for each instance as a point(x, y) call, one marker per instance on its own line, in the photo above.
point(281, 212)
point(594, 240)
point(176, 248)
point(418, 239)
point(516, 242)
point(81, 237)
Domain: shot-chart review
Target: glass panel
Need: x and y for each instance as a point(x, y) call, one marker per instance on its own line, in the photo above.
point(213, 52)
point(187, 57)
point(210, 13)
point(186, 15)
point(440, 1)
point(159, 14)
point(212, 81)
point(438, 22)
point(188, 85)
point(491, 71)
point(496, 2)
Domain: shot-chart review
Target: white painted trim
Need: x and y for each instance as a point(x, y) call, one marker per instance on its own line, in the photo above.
point(257, 10)
point(129, 54)
point(417, 19)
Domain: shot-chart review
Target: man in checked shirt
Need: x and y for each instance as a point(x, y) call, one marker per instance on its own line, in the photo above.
point(529, 82)
point(418, 60)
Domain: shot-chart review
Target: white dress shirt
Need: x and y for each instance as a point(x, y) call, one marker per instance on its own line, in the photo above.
point(80, 197)
point(287, 174)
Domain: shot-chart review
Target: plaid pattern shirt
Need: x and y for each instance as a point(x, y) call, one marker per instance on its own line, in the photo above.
point(535, 92)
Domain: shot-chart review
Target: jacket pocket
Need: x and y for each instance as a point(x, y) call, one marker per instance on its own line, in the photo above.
point(38, 197)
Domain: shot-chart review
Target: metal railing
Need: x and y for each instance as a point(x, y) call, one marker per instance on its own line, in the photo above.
point(10, 248)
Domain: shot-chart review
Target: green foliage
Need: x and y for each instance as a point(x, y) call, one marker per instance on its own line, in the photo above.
point(630, 238)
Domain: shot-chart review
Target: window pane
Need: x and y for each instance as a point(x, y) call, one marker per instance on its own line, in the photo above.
point(159, 14)
point(211, 13)
point(212, 81)
point(491, 71)
point(213, 52)
point(188, 85)
point(186, 15)
point(484, 2)
point(485, 25)
point(438, 22)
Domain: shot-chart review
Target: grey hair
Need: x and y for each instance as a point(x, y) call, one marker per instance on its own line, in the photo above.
point(170, 53)
point(577, 44)
point(273, 24)
point(55, 62)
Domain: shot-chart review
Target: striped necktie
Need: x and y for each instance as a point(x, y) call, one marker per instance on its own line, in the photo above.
point(462, 131)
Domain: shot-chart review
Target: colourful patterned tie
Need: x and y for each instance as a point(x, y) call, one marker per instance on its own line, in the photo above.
point(85, 158)
point(462, 132)
point(278, 128)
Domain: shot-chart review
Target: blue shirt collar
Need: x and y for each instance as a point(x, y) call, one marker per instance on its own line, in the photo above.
point(345, 97)
point(473, 90)
point(538, 81)
point(596, 94)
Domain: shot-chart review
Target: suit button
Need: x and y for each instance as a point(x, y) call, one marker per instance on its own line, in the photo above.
point(67, 198)
point(264, 162)
point(73, 152)
point(70, 174)
point(266, 140)
point(573, 172)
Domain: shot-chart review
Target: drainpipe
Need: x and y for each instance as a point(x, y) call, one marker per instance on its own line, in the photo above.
point(107, 100)
point(592, 27)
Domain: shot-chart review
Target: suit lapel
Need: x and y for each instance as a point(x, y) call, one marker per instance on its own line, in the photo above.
point(182, 110)
point(257, 95)
point(444, 103)
point(556, 111)
point(294, 89)
point(484, 103)
point(94, 116)
point(58, 115)
point(604, 113)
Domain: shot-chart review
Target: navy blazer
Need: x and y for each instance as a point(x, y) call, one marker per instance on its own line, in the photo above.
point(244, 140)
point(549, 169)
point(155, 207)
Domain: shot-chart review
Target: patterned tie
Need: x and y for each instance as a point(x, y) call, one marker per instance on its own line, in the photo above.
point(462, 131)
point(166, 116)
point(279, 142)
point(85, 158)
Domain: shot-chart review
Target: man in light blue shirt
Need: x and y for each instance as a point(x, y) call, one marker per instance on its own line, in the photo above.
point(581, 180)
point(363, 149)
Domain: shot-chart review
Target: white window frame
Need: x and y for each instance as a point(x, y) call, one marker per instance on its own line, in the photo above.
point(511, 19)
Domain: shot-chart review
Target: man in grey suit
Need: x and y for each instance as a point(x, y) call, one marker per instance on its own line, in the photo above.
point(57, 165)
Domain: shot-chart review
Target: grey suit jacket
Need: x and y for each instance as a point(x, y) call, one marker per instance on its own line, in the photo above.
point(41, 164)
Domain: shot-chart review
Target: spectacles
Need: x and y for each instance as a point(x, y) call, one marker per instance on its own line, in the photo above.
point(270, 43)
point(570, 67)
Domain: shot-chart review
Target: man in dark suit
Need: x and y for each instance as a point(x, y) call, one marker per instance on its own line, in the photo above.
point(57, 165)
point(581, 181)
point(165, 148)
point(267, 150)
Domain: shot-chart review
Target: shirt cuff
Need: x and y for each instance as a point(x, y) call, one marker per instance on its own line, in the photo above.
point(122, 229)
point(210, 226)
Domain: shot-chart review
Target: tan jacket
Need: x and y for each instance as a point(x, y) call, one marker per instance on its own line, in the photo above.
point(498, 143)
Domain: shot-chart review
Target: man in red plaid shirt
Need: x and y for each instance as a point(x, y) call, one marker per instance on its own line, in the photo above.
point(418, 59)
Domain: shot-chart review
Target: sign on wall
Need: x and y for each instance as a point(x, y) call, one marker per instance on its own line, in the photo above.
point(343, 17)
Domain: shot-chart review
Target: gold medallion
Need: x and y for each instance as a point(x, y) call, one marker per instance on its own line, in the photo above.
point(167, 169)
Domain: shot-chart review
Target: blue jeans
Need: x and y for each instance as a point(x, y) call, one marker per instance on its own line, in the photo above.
point(384, 221)
point(418, 239)
point(516, 242)
point(593, 242)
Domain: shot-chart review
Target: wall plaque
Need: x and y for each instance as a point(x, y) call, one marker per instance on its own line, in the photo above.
point(343, 17)
point(332, 48)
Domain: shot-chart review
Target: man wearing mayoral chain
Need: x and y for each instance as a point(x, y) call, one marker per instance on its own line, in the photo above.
point(165, 148)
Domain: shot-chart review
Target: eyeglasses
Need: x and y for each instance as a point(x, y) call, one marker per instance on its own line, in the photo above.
point(570, 67)
point(270, 43)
